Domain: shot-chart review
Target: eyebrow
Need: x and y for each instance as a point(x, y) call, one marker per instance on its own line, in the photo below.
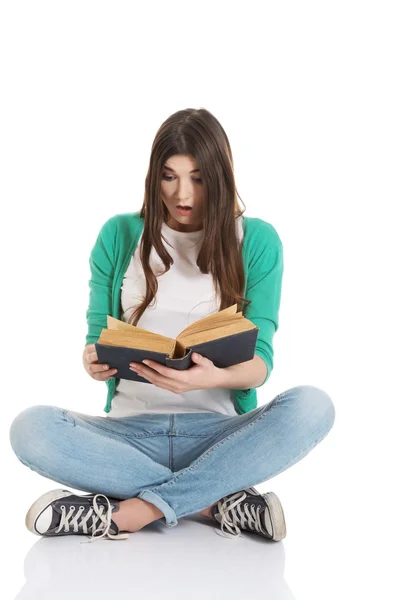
point(169, 169)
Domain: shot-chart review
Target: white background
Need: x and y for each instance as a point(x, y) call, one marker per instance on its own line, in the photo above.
point(308, 94)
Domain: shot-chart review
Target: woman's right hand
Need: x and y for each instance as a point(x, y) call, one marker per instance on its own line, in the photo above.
point(97, 371)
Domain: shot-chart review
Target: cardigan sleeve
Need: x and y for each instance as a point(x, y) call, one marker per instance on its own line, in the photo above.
point(264, 285)
point(102, 267)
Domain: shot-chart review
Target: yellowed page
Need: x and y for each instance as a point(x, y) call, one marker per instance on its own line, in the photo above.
point(143, 341)
point(116, 324)
point(213, 319)
point(215, 334)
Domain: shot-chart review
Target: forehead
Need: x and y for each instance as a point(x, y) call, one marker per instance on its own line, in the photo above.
point(181, 162)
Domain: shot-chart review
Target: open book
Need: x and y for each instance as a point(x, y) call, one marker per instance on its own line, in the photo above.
point(226, 338)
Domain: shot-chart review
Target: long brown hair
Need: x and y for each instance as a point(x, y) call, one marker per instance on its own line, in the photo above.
point(197, 133)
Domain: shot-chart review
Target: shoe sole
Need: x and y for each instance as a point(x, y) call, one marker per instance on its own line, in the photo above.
point(40, 505)
point(277, 516)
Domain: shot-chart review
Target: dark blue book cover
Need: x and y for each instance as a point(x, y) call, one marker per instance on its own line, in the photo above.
point(223, 352)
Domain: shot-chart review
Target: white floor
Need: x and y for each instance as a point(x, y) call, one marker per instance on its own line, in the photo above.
point(339, 544)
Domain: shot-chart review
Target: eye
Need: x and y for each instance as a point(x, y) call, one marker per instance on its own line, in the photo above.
point(167, 178)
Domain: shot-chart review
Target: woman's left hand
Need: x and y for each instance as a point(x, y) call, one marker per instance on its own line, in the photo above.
point(204, 374)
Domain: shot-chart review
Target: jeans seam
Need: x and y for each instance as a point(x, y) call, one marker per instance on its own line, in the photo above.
point(124, 435)
point(121, 442)
point(171, 435)
point(161, 432)
point(269, 405)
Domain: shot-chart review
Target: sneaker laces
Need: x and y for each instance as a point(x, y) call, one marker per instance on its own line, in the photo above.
point(234, 516)
point(79, 522)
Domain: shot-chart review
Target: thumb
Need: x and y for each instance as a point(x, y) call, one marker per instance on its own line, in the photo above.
point(197, 357)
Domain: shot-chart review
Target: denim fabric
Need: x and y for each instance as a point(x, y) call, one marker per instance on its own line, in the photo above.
point(183, 462)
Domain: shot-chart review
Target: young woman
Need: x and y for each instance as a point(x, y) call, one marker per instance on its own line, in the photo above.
point(176, 443)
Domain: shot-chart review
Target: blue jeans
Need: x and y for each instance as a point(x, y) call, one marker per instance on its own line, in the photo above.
point(182, 463)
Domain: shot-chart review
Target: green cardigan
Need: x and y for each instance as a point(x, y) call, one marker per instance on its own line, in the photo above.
point(262, 253)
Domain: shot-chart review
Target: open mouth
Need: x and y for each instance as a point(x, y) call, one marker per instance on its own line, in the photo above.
point(184, 209)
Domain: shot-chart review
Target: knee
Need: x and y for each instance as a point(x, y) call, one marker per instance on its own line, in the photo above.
point(28, 429)
point(315, 406)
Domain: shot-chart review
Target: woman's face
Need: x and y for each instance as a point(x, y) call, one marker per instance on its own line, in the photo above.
point(181, 184)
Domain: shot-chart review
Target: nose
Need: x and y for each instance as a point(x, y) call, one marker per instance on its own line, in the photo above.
point(184, 191)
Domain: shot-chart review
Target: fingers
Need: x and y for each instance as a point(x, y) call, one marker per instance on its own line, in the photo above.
point(97, 368)
point(98, 371)
point(106, 375)
point(93, 363)
point(103, 375)
point(92, 357)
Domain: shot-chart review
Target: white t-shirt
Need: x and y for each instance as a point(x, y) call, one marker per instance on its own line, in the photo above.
point(184, 295)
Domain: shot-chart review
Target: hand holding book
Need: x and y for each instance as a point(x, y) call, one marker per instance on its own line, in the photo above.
point(96, 370)
point(225, 338)
point(203, 375)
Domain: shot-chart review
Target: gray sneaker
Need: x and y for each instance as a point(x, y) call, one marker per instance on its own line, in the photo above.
point(60, 512)
point(248, 510)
